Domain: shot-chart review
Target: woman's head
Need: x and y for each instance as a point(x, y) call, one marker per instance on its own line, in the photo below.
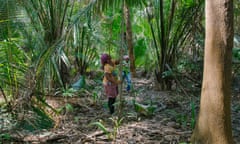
point(105, 59)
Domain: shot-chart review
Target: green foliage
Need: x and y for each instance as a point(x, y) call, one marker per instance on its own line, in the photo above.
point(236, 54)
point(236, 107)
point(184, 119)
point(12, 68)
point(44, 37)
point(70, 92)
point(110, 32)
point(236, 16)
point(140, 51)
point(112, 135)
point(146, 110)
point(9, 12)
point(117, 123)
point(5, 137)
point(167, 73)
point(58, 35)
point(103, 128)
point(37, 121)
point(170, 27)
point(187, 65)
point(193, 114)
point(181, 119)
point(83, 43)
point(104, 5)
point(95, 97)
point(69, 107)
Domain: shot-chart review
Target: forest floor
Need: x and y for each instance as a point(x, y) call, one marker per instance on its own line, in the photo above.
point(171, 122)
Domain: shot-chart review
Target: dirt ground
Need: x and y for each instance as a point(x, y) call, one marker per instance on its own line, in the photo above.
point(171, 122)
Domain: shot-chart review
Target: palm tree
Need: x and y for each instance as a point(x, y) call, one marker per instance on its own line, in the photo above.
point(49, 19)
point(12, 57)
point(34, 51)
point(170, 24)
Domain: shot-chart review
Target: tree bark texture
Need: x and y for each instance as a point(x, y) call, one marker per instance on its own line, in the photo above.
point(214, 122)
point(130, 40)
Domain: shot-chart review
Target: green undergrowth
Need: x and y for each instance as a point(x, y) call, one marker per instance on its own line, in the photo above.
point(38, 120)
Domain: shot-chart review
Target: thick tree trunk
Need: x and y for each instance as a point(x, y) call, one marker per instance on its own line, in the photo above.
point(214, 121)
point(130, 41)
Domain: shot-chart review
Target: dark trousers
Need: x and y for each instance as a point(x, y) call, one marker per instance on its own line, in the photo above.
point(111, 102)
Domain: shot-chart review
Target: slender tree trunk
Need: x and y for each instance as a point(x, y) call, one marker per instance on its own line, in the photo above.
point(214, 121)
point(129, 40)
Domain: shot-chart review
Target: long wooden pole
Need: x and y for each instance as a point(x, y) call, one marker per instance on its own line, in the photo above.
point(121, 59)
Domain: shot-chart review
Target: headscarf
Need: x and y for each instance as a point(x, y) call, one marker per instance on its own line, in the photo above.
point(104, 59)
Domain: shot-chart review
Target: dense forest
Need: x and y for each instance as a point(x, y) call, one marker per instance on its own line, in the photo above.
point(183, 58)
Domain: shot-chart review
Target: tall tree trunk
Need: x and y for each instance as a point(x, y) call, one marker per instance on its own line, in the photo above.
point(129, 40)
point(214, 121)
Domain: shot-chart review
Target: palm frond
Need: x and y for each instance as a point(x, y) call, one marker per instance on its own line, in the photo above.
point(170, 23)
point(103, 5)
